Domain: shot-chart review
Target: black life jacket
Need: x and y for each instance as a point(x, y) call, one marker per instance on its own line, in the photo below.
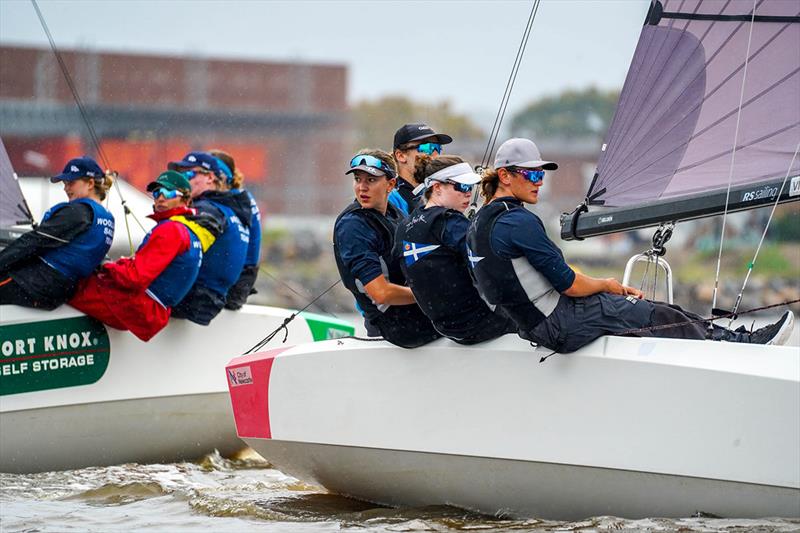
point(384, 226)
point(496, 278)
point(439, 274)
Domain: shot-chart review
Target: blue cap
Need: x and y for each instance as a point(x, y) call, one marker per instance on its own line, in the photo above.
point(198, 159)
point(80, 167)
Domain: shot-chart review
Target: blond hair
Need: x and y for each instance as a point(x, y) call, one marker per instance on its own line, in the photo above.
point(490, 181)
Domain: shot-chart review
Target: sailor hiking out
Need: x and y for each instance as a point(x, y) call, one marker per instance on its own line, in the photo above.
point(364, 249)
point(435, 260)
point(224, 261)
point(518, 268)
point(137, 293)
point(42, 268)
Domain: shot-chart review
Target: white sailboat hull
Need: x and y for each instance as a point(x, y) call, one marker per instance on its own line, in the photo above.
point(158, 401)
point(626, 426)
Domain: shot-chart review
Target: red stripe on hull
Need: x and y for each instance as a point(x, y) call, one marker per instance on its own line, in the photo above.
point(248, 384)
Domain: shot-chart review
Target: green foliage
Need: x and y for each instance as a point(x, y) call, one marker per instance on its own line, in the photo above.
point(377, 120)
point(585, 113)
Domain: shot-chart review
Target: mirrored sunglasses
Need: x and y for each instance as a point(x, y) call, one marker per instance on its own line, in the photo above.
point(191, 174)
point(461, 187)
point(429, 148)
point(166, 193)
point(534, 176)
point(371, 161)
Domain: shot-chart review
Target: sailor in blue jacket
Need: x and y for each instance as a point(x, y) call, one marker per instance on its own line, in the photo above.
point(223, 262)
point(365, 255)
point(519, 269)
point(435, 260)
point(42, 268)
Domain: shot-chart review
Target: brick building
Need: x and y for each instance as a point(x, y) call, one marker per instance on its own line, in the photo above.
point(286, 124)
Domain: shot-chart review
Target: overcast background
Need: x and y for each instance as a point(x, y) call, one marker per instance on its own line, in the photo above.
point(426, 50)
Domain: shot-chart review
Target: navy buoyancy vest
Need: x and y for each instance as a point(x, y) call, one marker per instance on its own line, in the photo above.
point(174, 282)
point(223, 262)
point(438, 274)
point(390, 265)
point(254, 245)
point(496, 278)
point(79, 257)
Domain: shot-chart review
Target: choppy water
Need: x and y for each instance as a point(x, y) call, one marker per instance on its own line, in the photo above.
point(246, 494)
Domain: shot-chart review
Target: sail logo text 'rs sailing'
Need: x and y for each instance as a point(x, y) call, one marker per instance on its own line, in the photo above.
point(764, 192)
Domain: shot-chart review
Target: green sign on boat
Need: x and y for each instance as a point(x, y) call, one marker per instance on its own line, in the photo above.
point(52, 354)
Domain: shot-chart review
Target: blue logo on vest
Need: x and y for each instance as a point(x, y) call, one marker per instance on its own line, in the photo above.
point(414, 251)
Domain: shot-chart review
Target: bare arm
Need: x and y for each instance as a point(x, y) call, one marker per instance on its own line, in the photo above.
point(586, 286)
point(384, 293)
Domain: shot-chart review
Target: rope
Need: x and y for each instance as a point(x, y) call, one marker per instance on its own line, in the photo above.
point(752, 263)
point(303, 296)
point(733, 157)
point(498, 119)
point(286, 322)
point(86, 121)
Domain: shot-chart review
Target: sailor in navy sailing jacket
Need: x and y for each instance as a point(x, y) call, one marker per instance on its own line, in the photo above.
point(435, 262)
point(518, 268)
point(42, 267)
point(363, 245)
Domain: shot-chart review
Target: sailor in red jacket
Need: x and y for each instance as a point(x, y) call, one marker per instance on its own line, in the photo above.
point(138, 293)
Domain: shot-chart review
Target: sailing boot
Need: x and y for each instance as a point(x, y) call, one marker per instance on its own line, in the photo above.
point(777, 333)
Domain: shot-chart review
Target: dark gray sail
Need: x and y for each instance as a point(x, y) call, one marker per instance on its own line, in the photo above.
point(672, 138)
point(13, 209)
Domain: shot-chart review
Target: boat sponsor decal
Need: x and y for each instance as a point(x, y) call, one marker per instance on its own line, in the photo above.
point(325, 328)
point(52, 354)
point(759, 194)
point(603, 220)
point(240, 376)
point(251, 404)
point(794, 186)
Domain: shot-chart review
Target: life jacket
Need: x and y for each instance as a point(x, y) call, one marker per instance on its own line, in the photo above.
point(403, 198)
point(174, 282)
point(512, 284)
point(224, 260)
point(79, 257)
point(439, 274)
point(390, 266)
point(254, 245)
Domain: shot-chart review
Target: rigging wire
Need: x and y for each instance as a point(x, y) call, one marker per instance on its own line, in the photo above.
point(86, 121)
point(733, 158)
point(501, 111)
point(752, 263)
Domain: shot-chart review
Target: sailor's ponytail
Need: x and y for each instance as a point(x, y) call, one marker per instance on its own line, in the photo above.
point(103, 184)
point(490, 181)
point(426, 165)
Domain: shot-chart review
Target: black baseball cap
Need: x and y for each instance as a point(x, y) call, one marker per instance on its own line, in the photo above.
point(416, 132)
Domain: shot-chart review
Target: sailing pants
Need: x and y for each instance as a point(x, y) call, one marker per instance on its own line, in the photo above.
point(403, 325)
point(575, 322)
point(120, 308)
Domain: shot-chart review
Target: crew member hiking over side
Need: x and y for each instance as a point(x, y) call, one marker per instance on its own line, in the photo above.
point(363, 244)
point(42, 268)
point(435, 260)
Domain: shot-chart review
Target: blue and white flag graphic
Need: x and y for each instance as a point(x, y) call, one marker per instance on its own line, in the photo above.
point(414, 251)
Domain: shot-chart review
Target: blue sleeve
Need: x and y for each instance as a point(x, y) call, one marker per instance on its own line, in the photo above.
point(358, 246)
point(397, 200)
point(455, 234)
point(521, 233)
point(254, 246)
